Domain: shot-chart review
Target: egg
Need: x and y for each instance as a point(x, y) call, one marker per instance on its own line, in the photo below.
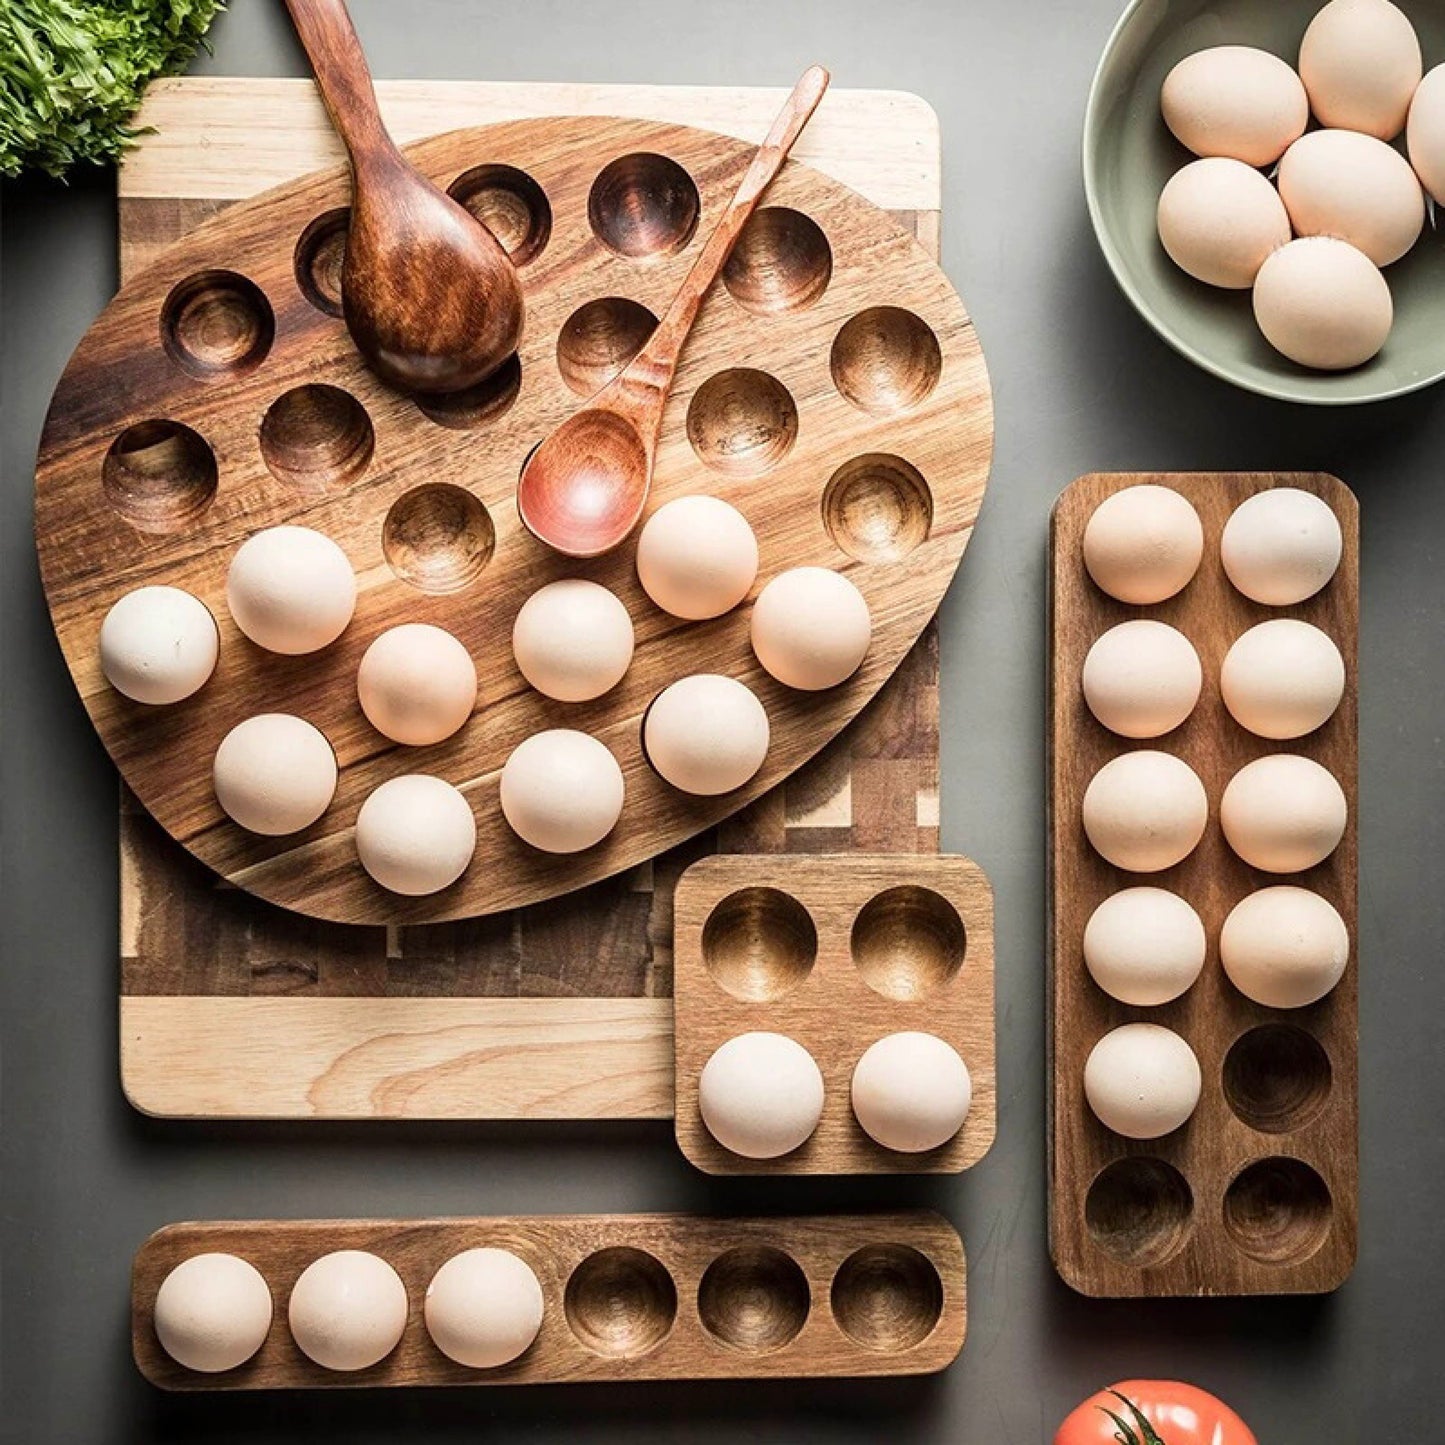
point(1360, 62)
point(484, 1308)
point(291, 590)
point(706, 734)
point(573, 640)
point(1144, 946)
point(761, 1095)
point(1323, 303)
point(561, 791)
point(1219, 219)
point(811, 628)
point(1283, 813)
point(416, 684)
point(1235, 101)
point(1284, 947)
point(348, 1310)
point(1282, 679)
point(1142, 678)
point(1143, 544)
point(1145, 811)
point(1142, 1081)
point(1340, 183)
point(274, 774)
point(911, 1092)
point(697, 557)
point(158, 645)
point(212, 1312)
point(415, 834)
point(1281, 546)
point(1425, 134)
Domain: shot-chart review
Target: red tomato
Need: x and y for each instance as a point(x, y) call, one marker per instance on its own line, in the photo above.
point(1154, 1412)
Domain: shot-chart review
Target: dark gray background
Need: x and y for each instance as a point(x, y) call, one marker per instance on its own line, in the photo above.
point(1080, 384)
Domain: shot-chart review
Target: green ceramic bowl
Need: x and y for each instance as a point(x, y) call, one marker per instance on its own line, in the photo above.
point(1129, 154)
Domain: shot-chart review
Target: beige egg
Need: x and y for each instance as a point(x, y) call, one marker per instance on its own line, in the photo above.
point(697, 557)
point(274, 774)
point(1283, 813)
point(1425, 134)
point(1143, 544)
point(1281, 546)
point(1142, 678)
point(417, 684)
point(811, 628)
point(706, 734)
point(1142, 1081)
point(212, 1312)
point(1284, 947)
point(562, 791)
point(291, 590)
point(1219, 219)
point(911, 1092)
point(1360, 62)
point(158, 645)
point(573, 640)
point(1145, 811)
point(1323, 303)
point(761, 1095)
point(1236, 101)
point(1282, 678)
point(484, 1308)
point(348, 1310)
point(415, 834)
point(1144, 946)
point(1352, 186)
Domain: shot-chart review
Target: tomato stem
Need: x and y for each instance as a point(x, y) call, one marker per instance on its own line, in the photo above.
point(1127, 1434)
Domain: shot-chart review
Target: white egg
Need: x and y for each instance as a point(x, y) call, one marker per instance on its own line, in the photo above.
point(1142, 1081)
point(274, 774)
point(1145, 811)
point(573, 640)
point(212, 1312)
point(1236, 101)
point(1323, 303)
point(1219, 219)
point(1281, 546)
point(562, 791)
point(911, 1092)
point(697, 557)
point(484, 1308)
point(291, 590)
point(1425, 134)
point(1142, 678)
point(1284, 947)
point(1360, 62)
point(1282, 679)
point(348, 1310)
point(416, 684)
point(1144, 946)
point(158, 645)
point(415, 834)
point(1283, 813)
point(761, 1095)
point(706, 734)
point(811, 628)
point(1143, 544)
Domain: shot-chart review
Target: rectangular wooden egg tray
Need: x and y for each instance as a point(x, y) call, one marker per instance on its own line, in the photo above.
point(1257, 1193)
point(835, 952)
point(626, 1297)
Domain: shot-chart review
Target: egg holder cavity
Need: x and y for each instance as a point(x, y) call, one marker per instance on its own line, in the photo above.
point(1258, 1192)
point(834, 391)
point(626, 1297)
point(834, 951)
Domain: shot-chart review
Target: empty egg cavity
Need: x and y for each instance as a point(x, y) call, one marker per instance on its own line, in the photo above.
point(510, 204)
point(216, 324)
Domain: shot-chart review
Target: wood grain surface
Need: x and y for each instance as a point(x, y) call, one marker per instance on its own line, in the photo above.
point(840, 1295)
point(1258, 1192)
point(835, 952)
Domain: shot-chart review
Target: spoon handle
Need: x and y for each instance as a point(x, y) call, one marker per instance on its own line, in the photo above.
point(339, 64)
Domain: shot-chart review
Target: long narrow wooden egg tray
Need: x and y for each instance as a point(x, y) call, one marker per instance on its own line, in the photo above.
point(626, 1297)
point(834, 951)
point(1258, 1192)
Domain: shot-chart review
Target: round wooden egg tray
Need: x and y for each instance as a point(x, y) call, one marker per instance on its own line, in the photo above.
point(833, 390)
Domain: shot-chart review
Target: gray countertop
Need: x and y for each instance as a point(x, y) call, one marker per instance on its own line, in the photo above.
point(1081, 384)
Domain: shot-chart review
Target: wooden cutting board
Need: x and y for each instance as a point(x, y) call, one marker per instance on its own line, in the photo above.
point(231, 1007)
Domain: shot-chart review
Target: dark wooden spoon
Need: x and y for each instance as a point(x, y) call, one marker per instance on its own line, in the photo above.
point(583, 490)
point(431, 299)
